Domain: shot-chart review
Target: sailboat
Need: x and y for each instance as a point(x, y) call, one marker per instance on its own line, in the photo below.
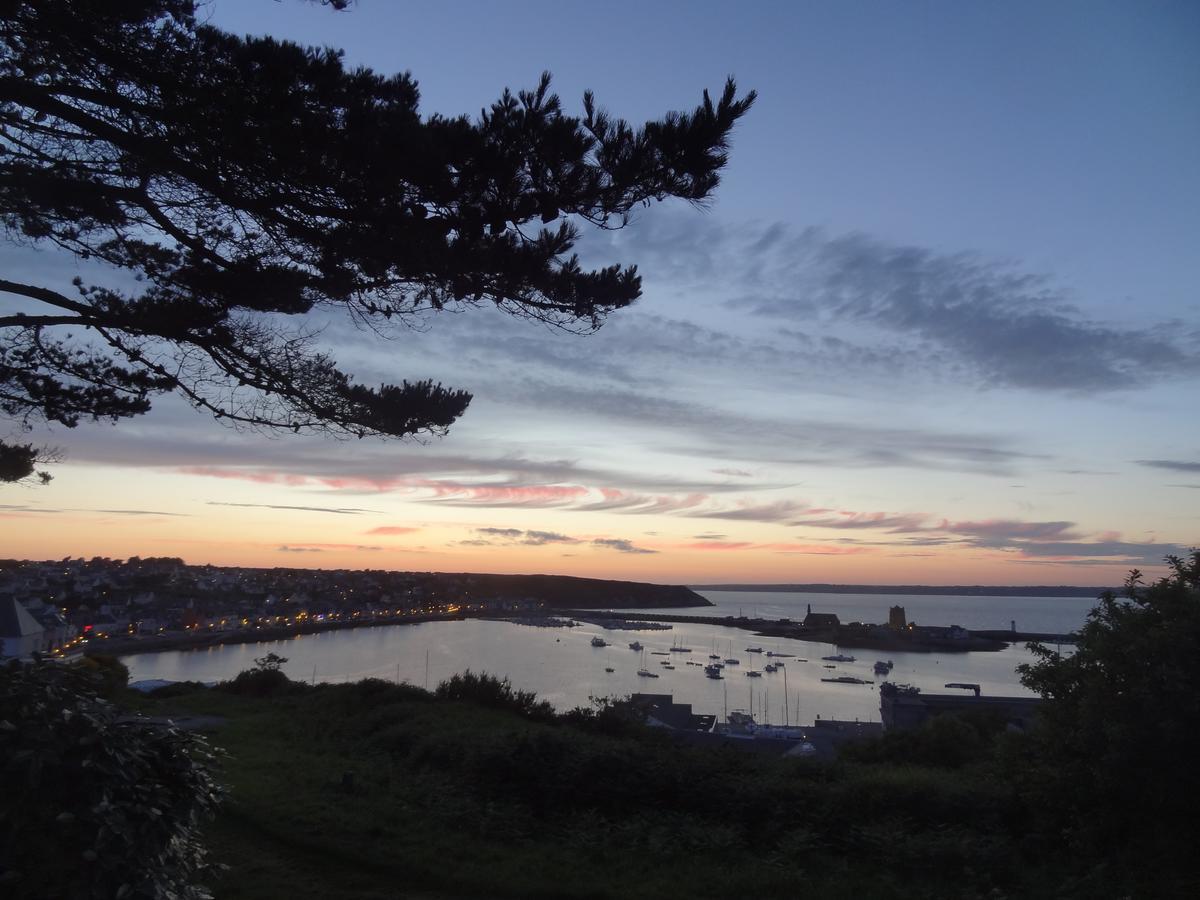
point(731, 661)
point(643, 671)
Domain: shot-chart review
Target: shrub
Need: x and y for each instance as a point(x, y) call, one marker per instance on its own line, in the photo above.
point(488, 690)
point(266, 679)
point(948, 741)
point(113, 674)
point(95, 805)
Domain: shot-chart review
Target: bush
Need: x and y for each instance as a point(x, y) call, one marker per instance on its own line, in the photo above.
point(266, 679)
point(488, 690)
point(948, 741)
point(112, 673)
point(1111, 764)
point(176, 689)
point(606, 715)
point(95, 805)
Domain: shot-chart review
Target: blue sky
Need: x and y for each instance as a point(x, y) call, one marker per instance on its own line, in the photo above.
point(938, 325)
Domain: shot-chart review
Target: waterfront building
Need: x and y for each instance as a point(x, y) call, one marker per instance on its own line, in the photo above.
point(820, 620)
point(20, 633)
point(902, 707)
point(897, 620)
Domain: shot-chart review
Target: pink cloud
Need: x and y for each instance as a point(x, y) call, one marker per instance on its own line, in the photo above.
point(392, 529)
point(1011, 529)
point(629, 502)
point(816, 549)
point(849, 519)
point(258, 477)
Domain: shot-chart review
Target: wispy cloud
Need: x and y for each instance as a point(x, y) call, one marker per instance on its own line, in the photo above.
point(393, 529)
point(712, 431)
point(492, 536)
point(337, 510)
point(321, 547)
point(1174, 465)
point(1114, 552)
point(108, 512)
point(982, 317)
point(531, 538)
point(747, 511)
point(620, 545)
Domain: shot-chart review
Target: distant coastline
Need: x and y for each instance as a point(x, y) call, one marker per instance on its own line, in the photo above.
point(957, 590)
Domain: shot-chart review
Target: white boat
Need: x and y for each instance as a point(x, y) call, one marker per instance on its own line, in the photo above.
point(712, 671)
point(847, 679)
point(882, 668)
point(838, 657)
point(646, 673)
point(599, 642)
point(754, 673)
point(635, 645)
point(608, 669)
point(732, 662)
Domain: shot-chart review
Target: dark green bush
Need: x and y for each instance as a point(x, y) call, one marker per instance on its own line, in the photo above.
point(113, 674)
point(95, 805)
point(176, 689)
point(948, 741)
point(266, 679)
point(488, 690)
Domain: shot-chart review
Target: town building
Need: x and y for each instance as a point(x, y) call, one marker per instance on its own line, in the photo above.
point(21, 634)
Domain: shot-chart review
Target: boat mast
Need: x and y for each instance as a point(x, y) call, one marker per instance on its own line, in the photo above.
point(785, 695)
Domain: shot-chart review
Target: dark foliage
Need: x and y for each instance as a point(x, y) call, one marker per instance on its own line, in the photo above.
point(1110, 772)
point(266, 679)
point(488, 690)
point(606, 715)
point(112, 674)
point(946, 742)
point(243, 181)
point(176, 689)
point(95, 805)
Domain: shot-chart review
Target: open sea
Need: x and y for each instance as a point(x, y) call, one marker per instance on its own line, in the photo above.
point(561, 665)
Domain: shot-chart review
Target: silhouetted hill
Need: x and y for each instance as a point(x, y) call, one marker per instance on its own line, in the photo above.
point(965, 590)
point(567, 592)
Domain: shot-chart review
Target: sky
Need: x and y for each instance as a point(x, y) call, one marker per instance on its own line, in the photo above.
point(939, 324)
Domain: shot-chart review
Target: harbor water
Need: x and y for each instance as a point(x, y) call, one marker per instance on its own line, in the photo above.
point(562, 666)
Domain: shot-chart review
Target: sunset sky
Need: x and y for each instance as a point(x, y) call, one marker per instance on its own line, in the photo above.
point(940, 325)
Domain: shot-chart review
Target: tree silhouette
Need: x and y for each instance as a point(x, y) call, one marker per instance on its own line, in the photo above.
point(1115, 742)
point(247, 182)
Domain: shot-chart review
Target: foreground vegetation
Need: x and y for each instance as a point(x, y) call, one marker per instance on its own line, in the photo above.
point(377, 790)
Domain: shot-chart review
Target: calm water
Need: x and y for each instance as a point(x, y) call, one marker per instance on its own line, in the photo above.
point(562, 667)
point(1037, 614)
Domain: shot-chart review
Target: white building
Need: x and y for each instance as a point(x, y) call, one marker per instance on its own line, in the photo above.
point(20, 633)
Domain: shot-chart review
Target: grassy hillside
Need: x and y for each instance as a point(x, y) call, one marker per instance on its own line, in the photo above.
point(377, 790)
